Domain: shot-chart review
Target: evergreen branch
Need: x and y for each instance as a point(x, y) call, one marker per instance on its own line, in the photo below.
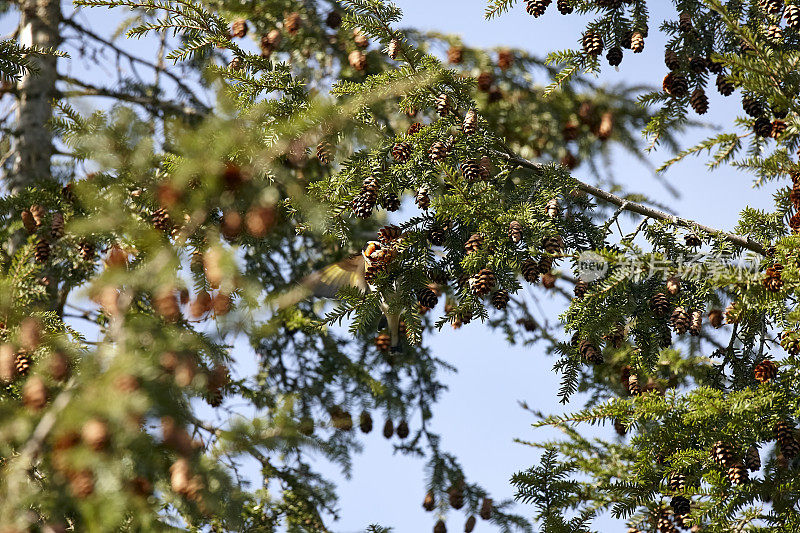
point(649, 212)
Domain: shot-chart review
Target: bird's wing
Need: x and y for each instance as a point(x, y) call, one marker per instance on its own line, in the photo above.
point(325, 283)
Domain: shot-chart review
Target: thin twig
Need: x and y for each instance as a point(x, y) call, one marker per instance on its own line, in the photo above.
point(649, 212)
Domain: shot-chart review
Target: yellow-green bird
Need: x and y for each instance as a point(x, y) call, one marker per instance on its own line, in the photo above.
point(325, 283)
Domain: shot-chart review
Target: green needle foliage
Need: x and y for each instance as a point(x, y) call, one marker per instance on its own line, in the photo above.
point(262, 162)
point(691, 424)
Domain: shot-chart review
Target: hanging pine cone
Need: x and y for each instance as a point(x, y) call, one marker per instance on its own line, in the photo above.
point(637, 42)
point(725, 86)
point(715, 318)
point(469, 525)
point(401, 152)
point(536, 7)
point(357, 60)
point(42, 251)
point(680, 320)
point(772, 278)
point(762, 127)
point(324, 150)
point(633, 385)
point(664, 524)
point(659, 304)
point(698, 64)
point(505, 59)
point(483, 282)
point(391, 202)
point(427, 298)
point(27, 221)
point(438, 151)
point(292, 23)
point(675, 84)
point(545, 265)
point(22, 363)
point(429, 503)
point(794, 223)
point(673, 285)
point(765, 371)
point(239, 28)
point(778, 127)
point(752, 460)
point(774, 34)
point(365, 422)
point(714, 66)
point(792, 16)
point(530, 271)
point(552, 208)
point(692, 240)
point(699, 101)
point(364, 203)
point(614, 56)
point(471, 170)
point(422, 199)
point(443, 104)
point(415, 127)
point(592, 43)
point(57, 226)
point(784, 435)
point(589, 352)
point(214, 397)
point(553, 244)
point(162, 221)
point(389, 233)
point(440, 527)
point(436, 235)
point(470, 122)
point(383, 341)
point(548, 280)
point(737, 474)
point(680, 505)
point(677, 482)
point(486, 509)
point(402, 429)
point(500, 299)
point(671, 59)
point(333, 20)
point(86, 250)
point(485, 80)
point(722, 454)
point(696, 323)
point(580, 289)
point(771, 7)
point(455, 495)
point(515, 231)
point(527, 324)
point(752, 107)
point(474, 243)
point(455, 55)
point(564, 6)
point(38, 213)
point(685, 22)
point(360, 38)
point(388, 429)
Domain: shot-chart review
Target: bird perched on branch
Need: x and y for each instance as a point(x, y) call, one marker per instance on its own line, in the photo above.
point(359, 271)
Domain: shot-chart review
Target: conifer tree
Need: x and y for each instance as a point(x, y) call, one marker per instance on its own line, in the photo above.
point(256, 173)
point(694, 417)
point(142, 239)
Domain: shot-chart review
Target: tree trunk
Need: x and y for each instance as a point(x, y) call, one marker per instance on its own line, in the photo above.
point(39, 26)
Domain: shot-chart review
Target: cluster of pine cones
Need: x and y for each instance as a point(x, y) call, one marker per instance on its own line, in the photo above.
point(456, 500)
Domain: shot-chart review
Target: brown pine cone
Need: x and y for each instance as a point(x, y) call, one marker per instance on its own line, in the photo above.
point(765, 371)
